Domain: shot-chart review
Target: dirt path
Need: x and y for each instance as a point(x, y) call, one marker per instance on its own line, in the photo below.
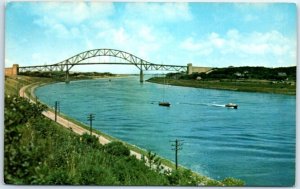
point(76, 128)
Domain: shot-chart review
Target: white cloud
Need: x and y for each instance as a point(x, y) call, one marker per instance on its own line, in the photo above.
point(135, 30)
point(73, 12)
point(159, 12)
point(102, 24)
point(216, 41)
point(146, 33)
point(269, 48)
point(65, 19)
point(233, 34)
point(120, 36)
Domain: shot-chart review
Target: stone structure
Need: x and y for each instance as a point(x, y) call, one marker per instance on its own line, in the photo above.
point(193, 69)
point(12, 71)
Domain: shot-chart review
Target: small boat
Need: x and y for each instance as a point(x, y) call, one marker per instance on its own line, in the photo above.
point(231, 105)
point(164, 104)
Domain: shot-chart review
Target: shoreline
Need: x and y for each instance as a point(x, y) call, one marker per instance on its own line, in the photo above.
point(239, 86)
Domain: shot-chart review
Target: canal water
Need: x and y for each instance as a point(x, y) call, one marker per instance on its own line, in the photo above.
point(255, 142)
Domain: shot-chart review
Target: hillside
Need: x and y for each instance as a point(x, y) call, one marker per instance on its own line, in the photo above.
point(248, 79)
point(246, 72)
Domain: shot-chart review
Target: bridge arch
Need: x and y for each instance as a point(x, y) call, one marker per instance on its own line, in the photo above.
point(130, 58)
point(78, 59)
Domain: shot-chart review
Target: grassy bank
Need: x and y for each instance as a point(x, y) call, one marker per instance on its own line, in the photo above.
point(55, 155)
point(15, 83)
point(234, 85)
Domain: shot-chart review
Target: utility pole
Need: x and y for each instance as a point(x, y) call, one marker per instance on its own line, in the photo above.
point(177, 147)
point(91, 118)
point(56, 108)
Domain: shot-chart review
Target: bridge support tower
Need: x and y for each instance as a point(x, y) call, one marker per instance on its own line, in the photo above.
point(67, 77)
point(141, 76)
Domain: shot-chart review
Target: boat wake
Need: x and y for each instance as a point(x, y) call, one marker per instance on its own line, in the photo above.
point(219, 105)
point(203, 104)
point(199, 104)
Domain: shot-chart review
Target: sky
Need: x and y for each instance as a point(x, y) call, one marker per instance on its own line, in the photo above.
point(204, 34)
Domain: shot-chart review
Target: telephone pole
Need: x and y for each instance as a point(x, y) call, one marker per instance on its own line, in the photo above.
point(177, 146)
point(91, 118)
point(56, 108)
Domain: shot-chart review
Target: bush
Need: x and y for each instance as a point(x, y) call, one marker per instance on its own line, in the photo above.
point(19, 159)
point(232, 182)
point(117, 149)
point(185, 178)
point(90, 140)
point(19, 110)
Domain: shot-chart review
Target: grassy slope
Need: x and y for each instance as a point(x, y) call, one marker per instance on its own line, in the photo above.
point(238, 85)
point(12, 85)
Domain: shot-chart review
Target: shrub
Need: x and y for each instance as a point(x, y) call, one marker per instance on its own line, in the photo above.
point(232, 182)
point(90, 140)
point(19, 110)
point(117, 149)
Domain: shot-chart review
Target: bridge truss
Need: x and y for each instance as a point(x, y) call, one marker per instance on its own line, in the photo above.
point(79, 59)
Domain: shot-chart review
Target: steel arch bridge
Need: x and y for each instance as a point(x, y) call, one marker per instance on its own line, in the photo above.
point(78, 59)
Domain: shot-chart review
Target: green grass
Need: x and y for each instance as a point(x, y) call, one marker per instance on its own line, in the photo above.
point(15, 83)
point(234, 85)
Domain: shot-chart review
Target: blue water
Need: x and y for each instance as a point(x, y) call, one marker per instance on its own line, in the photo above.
point(255, 143)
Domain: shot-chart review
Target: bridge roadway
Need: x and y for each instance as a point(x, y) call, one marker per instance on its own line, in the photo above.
point(78, 59)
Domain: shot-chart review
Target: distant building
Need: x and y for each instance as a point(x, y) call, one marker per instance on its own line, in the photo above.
point(282, 74)
point(238, 74)
point(13, 71)
point(195, 69)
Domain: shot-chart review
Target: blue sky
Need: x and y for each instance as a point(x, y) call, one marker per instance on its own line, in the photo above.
point(204, 34)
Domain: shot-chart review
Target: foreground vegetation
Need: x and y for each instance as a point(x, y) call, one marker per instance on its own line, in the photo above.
point(249, 79)
point(39, 151)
